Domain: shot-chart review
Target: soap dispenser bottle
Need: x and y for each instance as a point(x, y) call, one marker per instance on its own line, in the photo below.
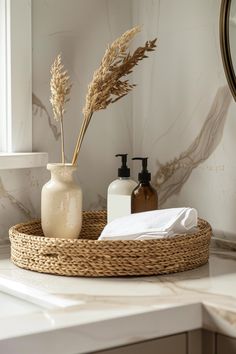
point(119, 192)
point(144, 196)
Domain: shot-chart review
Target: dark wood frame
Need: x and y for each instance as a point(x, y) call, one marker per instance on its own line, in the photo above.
point(225, 46)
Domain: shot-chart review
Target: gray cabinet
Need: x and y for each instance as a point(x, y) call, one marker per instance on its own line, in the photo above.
point(208, 342)
point(194, 342)
point(168, 345)
point(201, 341)
point(225, 345)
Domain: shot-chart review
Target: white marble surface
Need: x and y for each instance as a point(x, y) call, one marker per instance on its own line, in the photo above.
point(103, 313)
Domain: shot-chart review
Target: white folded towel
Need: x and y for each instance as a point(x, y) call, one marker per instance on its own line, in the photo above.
point(151, 225)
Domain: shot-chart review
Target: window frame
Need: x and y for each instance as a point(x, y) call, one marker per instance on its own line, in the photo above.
point(16, 87)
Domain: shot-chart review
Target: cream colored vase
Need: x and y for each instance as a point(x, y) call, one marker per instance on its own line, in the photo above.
point(61, 203)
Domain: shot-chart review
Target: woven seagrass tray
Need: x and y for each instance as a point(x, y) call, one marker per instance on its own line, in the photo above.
point(86, 256)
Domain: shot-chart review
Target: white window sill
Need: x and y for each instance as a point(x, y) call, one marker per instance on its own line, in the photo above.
point(23, 160)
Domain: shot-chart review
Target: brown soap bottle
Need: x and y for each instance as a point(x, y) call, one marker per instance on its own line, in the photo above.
point(144, 196)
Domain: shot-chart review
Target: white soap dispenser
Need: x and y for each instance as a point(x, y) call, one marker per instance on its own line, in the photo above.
point(119, 192)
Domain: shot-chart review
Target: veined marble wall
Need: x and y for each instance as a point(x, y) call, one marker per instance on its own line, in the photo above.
point(181, 113)
point(184, 116)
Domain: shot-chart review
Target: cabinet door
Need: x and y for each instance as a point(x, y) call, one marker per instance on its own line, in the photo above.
point(168, 345)
point(225, 345)
point(208, 342)
point(201, 342)
point(194, 342)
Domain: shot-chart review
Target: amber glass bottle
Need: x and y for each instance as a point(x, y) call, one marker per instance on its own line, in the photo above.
point(144, 196)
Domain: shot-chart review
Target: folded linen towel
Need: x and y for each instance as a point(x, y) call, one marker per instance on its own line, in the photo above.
point(151, 225)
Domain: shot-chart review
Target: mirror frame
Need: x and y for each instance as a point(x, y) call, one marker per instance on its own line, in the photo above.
point(225, 46)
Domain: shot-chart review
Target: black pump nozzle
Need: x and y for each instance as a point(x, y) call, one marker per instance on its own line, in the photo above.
point(123, 171)
point(144, 176)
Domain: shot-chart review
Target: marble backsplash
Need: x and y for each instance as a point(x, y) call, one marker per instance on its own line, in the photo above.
point(181, 113)
point(184, 111)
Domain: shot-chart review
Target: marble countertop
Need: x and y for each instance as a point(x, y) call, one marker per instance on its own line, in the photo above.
point(78, 315)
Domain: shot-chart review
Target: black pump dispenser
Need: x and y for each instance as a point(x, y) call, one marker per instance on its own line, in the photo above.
point(144, 176)
point(144, 197)
point(123, 171)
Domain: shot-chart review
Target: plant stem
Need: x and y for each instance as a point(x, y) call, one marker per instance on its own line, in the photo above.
point(62, 141)
point(80, 139)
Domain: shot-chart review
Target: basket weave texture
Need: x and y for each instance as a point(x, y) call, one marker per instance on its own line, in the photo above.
point(87, 256)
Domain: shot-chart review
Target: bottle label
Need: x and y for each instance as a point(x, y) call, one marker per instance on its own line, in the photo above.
point(118, 206)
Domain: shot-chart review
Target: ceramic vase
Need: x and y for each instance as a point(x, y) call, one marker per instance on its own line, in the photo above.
point(61, 203)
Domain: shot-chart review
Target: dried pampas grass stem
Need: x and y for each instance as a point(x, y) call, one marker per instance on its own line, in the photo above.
point(108, 84)
point(60, 90)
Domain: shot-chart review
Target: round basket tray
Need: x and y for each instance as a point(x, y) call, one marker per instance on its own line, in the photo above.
point(87, 256)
